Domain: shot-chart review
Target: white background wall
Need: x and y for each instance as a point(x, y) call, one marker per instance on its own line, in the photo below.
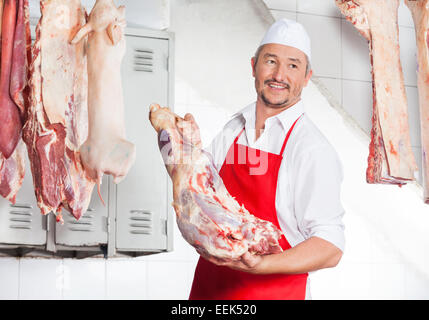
point(386, 255)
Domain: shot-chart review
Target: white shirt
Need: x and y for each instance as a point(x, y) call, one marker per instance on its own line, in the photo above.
point(308, 188)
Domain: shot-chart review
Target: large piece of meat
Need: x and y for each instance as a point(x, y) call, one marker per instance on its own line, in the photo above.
point(209, 218)
point(106, 150)
point(10, 119)
point(420, 12)
point(57, 122)
point(14, 90)
point(390, 159)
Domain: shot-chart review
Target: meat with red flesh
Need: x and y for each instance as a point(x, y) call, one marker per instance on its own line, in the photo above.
point(12, 170)
point(57, 116)
point(10, 132)
point(106, 150)
point(420, 12)
point(21, 58)
point(209, 218)
point(390, 159)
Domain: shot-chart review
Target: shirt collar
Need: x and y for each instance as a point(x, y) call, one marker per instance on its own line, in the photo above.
point(286, 118)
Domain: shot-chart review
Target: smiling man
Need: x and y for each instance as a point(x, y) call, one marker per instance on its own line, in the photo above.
point(297, 188)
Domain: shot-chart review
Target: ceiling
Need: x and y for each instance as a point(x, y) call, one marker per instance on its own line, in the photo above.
point(153, 14)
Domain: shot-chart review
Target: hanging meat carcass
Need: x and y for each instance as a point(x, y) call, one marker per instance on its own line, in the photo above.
point(420, 12)
point(390, 159)
point(10, 119)
point(106, 150)
point(209, 218)
point(57, 118)
point(16, 55)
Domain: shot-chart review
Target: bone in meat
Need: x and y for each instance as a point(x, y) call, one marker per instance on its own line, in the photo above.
point(106, 150)
point(420, 12)
point(390, 159)
point(57, 117)
point(209, 218)
point(10, 132)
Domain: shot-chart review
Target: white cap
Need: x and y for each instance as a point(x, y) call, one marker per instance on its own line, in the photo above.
point(288, 33)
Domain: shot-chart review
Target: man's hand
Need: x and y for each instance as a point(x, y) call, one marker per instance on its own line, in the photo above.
point(310, 255)
point(247, 262)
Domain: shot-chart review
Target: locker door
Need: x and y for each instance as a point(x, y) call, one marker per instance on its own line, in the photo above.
point(91, 228)
point(141, 207)
point(22, 223)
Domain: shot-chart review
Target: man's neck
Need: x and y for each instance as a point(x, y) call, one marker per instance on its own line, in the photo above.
point(263, 112)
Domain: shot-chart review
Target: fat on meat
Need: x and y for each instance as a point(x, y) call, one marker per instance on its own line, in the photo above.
point(57, 116)
point(106, 149)
point(420, 13)
point(390, 159)
point(209, 218)
point(12, 169)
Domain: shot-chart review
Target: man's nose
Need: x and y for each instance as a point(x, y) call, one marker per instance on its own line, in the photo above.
point(279, 74)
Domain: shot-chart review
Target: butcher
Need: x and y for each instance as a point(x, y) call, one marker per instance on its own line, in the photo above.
point(274, 160)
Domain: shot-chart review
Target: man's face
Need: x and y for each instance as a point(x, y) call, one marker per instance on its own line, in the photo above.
point(280, 75)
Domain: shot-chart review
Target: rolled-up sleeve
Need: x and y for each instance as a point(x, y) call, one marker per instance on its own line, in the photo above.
point(317, 192)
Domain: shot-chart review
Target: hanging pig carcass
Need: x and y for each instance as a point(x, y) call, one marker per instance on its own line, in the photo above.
point(106, 150)
point(390, 159)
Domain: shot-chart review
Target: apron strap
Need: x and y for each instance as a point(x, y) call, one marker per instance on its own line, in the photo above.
point(236, 139)
point(288, 134)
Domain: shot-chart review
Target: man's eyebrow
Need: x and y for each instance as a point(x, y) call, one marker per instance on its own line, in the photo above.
point(270, 55)
point(295, 60)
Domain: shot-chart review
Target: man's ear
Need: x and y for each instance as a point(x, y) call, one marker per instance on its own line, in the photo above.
point(253, 63)
point(308, 77)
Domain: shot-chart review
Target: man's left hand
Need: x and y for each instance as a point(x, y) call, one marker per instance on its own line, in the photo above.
point(246, 263)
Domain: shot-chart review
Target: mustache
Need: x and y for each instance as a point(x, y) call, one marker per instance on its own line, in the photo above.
point(278, 82)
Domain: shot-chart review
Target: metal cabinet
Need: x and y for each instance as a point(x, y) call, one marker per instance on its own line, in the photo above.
point(137, 217)
point(142, 220)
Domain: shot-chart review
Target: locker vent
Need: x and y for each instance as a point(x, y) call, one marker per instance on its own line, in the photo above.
point(20, 216)
point(84, 224)
point(140, 222)
point(143, 60)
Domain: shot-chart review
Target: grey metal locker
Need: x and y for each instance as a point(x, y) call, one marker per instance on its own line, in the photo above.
point(142, 199)
point(22, 223)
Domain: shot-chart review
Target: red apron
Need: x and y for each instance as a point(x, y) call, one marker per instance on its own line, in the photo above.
point(258, 194)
